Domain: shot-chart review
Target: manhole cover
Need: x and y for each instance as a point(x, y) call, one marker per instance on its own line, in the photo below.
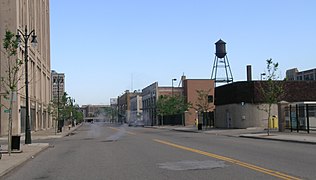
point(192, 165)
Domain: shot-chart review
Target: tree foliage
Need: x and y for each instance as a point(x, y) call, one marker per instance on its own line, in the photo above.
point(203, 103)
point(171, 105)
point(68, 110)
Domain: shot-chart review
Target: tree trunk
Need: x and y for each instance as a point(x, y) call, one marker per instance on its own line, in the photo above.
point(269, 114)
point(10, 123)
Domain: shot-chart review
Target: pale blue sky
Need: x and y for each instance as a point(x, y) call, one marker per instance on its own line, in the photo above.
point(101, 44)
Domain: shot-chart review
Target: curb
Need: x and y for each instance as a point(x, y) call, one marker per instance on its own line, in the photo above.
point(283, 140)
point(183, 130)
point(23, 161)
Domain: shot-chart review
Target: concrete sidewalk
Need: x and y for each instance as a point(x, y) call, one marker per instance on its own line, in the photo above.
point(287, 137)
point(28, 151)
point(255, 133)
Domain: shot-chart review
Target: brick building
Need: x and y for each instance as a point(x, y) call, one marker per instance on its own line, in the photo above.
point(124, 106)
point(189, 88)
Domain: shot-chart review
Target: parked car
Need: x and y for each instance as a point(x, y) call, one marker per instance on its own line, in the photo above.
point(131, 123)
point(139, 124)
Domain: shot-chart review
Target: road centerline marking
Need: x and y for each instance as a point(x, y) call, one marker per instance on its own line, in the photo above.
point(233, 161)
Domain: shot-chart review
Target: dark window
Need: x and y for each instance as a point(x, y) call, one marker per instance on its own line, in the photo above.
point(210, 99)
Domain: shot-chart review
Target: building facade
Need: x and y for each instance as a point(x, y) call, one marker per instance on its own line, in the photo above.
point(190, 88)
point(241, 104)
point(136, 108)
point(152, 93)
point(95, 112)
point(22, 14)
point(58, 85)
point(295, 75)
point(150, 96)
point(124, 106)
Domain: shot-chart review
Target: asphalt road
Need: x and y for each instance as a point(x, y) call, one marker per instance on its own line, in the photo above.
point(105, 151)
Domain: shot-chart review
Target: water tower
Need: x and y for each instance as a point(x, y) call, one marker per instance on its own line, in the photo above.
point(221, 65)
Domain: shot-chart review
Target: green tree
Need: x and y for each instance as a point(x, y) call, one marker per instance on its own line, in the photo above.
point(78, 115)
point(172, 105)
point(11, 78)
point(271, 89)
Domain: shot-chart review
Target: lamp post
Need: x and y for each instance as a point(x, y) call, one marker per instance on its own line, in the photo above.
point(261, 75)
point(72, 112)
point(172, 85)
point(25, 36)
point(59, 80)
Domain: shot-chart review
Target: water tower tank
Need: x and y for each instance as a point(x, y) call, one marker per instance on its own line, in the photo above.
point(220, 46)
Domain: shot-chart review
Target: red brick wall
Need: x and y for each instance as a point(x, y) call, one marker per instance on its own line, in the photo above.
point(190, 86)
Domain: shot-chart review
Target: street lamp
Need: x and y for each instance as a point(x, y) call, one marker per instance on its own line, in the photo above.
point(261, 75)
point(172, 85)
point(60, 125)
point(25, 36)
point(72, 112)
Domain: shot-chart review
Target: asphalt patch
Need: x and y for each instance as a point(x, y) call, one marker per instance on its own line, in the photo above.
point(192, 165)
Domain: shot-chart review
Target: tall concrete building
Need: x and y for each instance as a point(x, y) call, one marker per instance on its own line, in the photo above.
point(30, 14)
point(58, 85)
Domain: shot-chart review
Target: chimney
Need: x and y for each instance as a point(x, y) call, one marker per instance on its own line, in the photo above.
point(249, 77)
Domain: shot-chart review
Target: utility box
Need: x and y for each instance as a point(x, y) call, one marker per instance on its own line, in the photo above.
point(274, 123)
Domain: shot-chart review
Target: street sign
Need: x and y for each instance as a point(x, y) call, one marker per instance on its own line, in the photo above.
point(7, 110)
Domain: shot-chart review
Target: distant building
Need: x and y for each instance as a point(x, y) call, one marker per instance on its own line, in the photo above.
point(136, 108)
point(153, 92)
point(150, 96)
point(94, 112)
point(58, 85)
point(124, 106)
point(295, 75)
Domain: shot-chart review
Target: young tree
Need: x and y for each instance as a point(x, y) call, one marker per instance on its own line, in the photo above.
point(204, 103)
point(11, 78)
point(272, 89)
